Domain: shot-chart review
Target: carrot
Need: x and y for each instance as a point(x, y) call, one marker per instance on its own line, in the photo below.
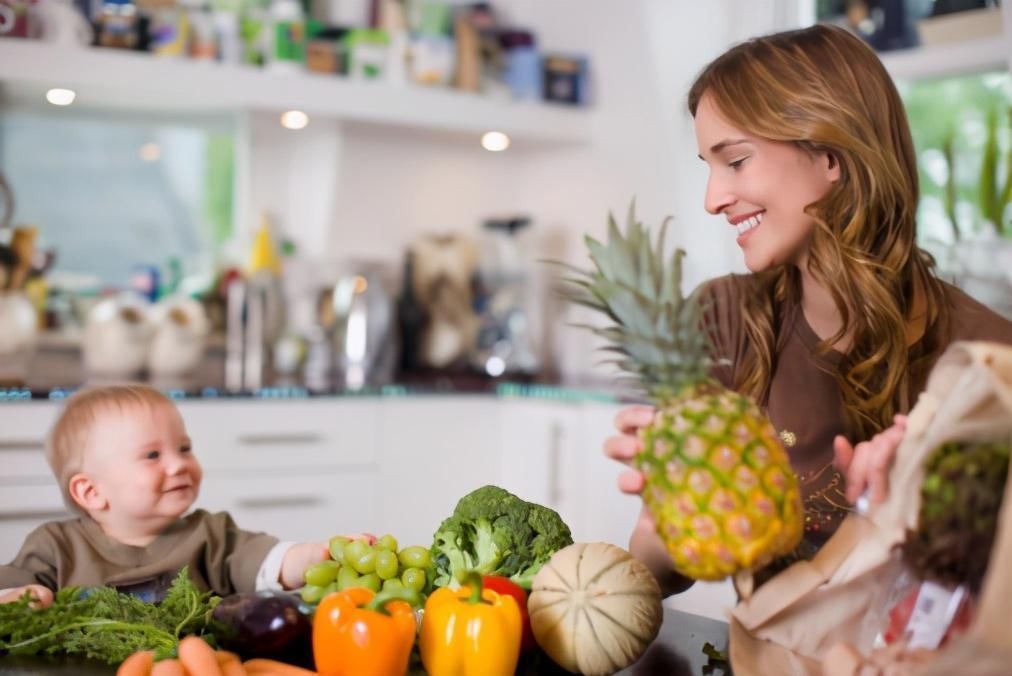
point(168, 668)
point(264, 667)
point(138, 664)
point(229, 663)
point(197, 657)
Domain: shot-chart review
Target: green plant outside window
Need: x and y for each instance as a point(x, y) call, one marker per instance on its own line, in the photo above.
point(963, 134)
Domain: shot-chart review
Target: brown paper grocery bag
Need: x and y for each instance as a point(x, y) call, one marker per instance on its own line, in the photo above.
point(789, 624)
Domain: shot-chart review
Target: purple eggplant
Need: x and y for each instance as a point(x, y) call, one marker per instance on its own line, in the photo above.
point(269, 624)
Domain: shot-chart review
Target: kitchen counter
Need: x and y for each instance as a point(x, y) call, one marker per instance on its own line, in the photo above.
point(677, 651)
point(55, 370)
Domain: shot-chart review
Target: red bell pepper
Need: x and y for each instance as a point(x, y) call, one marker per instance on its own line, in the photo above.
point(504, 585)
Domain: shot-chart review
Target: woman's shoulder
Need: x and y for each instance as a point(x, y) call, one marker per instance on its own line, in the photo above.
point(724, 288)
point(972, 320)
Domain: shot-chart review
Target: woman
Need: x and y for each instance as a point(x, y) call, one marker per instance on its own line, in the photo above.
point(841, 319)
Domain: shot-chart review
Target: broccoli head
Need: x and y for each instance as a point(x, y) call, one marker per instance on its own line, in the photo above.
point(494, 532)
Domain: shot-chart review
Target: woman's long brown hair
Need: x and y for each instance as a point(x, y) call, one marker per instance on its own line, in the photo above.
point(823, 89)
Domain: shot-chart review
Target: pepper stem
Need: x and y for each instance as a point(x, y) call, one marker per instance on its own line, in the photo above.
point(380, 600)
point(472, 579)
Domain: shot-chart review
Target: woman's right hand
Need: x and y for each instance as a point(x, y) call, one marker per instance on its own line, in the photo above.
point(624, 446)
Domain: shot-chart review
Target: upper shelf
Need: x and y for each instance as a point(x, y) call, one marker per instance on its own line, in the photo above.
point(134, 81)
point(960, 58)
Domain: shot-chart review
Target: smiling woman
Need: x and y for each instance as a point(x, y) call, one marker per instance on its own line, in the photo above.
point(810, 159)
point(747, 179)
point(111, 192)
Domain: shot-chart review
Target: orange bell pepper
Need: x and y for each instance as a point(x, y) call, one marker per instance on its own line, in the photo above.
point(470, 632)
point(357, 632)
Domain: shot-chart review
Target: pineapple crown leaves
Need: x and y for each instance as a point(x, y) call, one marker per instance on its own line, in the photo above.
point(654, 332)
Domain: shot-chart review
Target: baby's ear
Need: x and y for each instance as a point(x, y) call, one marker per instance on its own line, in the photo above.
point(84, 492)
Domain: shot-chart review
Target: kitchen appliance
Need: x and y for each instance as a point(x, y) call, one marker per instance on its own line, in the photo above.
point(437, 303)
point(504, 344)
point(179, 334)
point(254, 321)
point(18, 337)
point(117, 335)
point(358, 316)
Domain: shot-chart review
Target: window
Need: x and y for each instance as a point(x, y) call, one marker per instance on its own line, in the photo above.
point(961, 129)
point(108, 193)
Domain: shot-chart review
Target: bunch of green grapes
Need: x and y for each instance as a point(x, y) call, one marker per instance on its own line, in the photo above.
point(356, 563)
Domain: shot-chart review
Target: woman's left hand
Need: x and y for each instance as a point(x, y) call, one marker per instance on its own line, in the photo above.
point(866, 466)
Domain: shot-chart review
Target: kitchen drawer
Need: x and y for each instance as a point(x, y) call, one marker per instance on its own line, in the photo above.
point(24, 508)
point(22, 458)
point(39, 496)
point(23, 431)
point(295, 506)
point(251, 435)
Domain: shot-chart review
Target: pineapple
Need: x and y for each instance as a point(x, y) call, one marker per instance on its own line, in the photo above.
point(960, 501)
point(718, 483)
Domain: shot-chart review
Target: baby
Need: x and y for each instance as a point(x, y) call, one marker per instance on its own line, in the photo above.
point(123, 460)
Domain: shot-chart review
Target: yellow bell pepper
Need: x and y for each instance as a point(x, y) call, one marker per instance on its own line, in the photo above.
point(470, 631)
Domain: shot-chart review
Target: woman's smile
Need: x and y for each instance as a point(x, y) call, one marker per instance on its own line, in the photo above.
point(746, 224)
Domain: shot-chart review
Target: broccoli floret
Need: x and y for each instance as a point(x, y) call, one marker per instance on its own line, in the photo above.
point(496, 533)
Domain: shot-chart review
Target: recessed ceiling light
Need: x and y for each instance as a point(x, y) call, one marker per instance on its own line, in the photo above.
point(294, 119)
point(61, 97)
point(495, 141)
point(150, 152)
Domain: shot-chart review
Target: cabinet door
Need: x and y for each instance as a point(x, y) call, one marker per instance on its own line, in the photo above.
point(25, 507)
point(268, 435)
point(608, 514)
point(432, 451)
point(540, 454)
point(612, 514)
point(29, 495)
point(24, 428)
point(302, 507)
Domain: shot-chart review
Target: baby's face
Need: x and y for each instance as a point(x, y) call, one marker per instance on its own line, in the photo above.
point(141, 462)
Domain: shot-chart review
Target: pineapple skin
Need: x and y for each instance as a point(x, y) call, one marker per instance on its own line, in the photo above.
point(719, 484)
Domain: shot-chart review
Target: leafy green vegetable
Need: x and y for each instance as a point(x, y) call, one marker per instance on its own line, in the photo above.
point(101, 623)
point(715, 660)
point(496, 533)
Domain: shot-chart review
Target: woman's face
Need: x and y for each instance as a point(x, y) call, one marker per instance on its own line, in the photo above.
point(762, 187)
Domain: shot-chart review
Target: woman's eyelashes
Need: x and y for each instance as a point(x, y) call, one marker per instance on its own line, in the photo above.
point(736, 164)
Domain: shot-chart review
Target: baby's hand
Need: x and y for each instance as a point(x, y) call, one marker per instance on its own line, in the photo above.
point(43, 595)
point(299, 557)
point(368, 538)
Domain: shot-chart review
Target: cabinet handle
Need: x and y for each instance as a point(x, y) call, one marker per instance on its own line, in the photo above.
point(34, 515)
point(22, 445)
point(273, 439)
point(554, 464)
point(270, 502)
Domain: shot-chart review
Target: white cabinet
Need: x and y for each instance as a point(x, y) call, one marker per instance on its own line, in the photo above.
point(538, 449)
point(29, 495)
point(310, 469)
point(432, 450)
point(606, 514)
point(552, 453)
point(297, 505)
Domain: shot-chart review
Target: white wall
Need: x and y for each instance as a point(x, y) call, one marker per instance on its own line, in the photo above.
point(392, 185)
